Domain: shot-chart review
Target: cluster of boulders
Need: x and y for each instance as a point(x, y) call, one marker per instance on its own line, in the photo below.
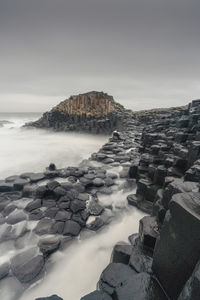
point(163, 260)
point(92, 112)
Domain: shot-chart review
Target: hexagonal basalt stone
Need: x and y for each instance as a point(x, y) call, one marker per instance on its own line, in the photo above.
point(71, 228)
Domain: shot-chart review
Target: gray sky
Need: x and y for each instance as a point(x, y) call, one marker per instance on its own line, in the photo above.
point(146, 53)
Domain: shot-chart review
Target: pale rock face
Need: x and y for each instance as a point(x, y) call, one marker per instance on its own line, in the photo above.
point(91, 104)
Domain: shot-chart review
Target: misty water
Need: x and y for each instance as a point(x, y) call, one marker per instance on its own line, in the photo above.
point(30, 150)
point(74, 271)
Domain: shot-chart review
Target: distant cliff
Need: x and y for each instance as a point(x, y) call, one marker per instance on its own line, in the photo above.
point(92, 112)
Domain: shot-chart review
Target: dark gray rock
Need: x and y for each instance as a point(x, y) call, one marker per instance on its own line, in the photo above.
point(132, 200)
point(6, 187)
point(121, 253)
point(35, 177)
point(63, 215)
point(59, 191)
point(36, 214)
point(58, 227)
point(44, 226)
point(16, 216)
point(98, 182)
point(139, 287)
point(191, 289)
point(20, 183)
point(53, 297)
point(49, 203)
point(51, 212)
point(4, 270)
point(177, 250)
point(77, 205)
point(37, 203)
point(96, 295)
point(51, 185)
point(115, 275)
point(83, 197)
point(49, 245)
point(9, 209)
point(95, 208)
point(178, 186)
point(27, 265)
point(148, 231)
point(41, 191)
point(71, 228)
point(140, 260)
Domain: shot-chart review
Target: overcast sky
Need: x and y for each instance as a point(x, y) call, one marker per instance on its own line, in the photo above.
point(146, 53)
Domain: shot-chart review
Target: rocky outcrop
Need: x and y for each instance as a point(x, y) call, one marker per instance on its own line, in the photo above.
point(165, 255)
point(93, 112)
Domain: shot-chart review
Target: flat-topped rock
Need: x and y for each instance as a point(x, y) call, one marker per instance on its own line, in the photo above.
point(94, 112)
point(178, 250)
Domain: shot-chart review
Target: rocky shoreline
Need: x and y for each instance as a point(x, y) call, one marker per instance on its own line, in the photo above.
point(162, 260)
point(50, 209)
point(41, 213)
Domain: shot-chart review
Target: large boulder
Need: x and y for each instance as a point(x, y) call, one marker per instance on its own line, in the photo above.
point(27, 265)
point(178, 249)
point(71, 228)
point(121, 253)
point(139, 287)
point(191, 289)
point(115, 275)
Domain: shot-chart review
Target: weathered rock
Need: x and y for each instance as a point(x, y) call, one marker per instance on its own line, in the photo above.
point(140, 260)
point(177, 250)
point(35, 177)
point(148, 231)
point(139, 287)
point(49, 245)
point(44, 226)
point(191, 289)
point(95, 208)
point(6, 187)
point(71, 228)
point(77, 205)
point(96, 295)
point(26, 266)
point(63, 215)
point(178, 186)
point(121, 253)
point(16, 216)
point(36, 214)
point(115, 275)
point(51, 185)
point(37, 203)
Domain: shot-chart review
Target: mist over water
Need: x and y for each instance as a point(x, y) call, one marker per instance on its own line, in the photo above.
point(31, 150)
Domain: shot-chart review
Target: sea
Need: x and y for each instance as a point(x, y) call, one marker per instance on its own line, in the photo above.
point(74, 271)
